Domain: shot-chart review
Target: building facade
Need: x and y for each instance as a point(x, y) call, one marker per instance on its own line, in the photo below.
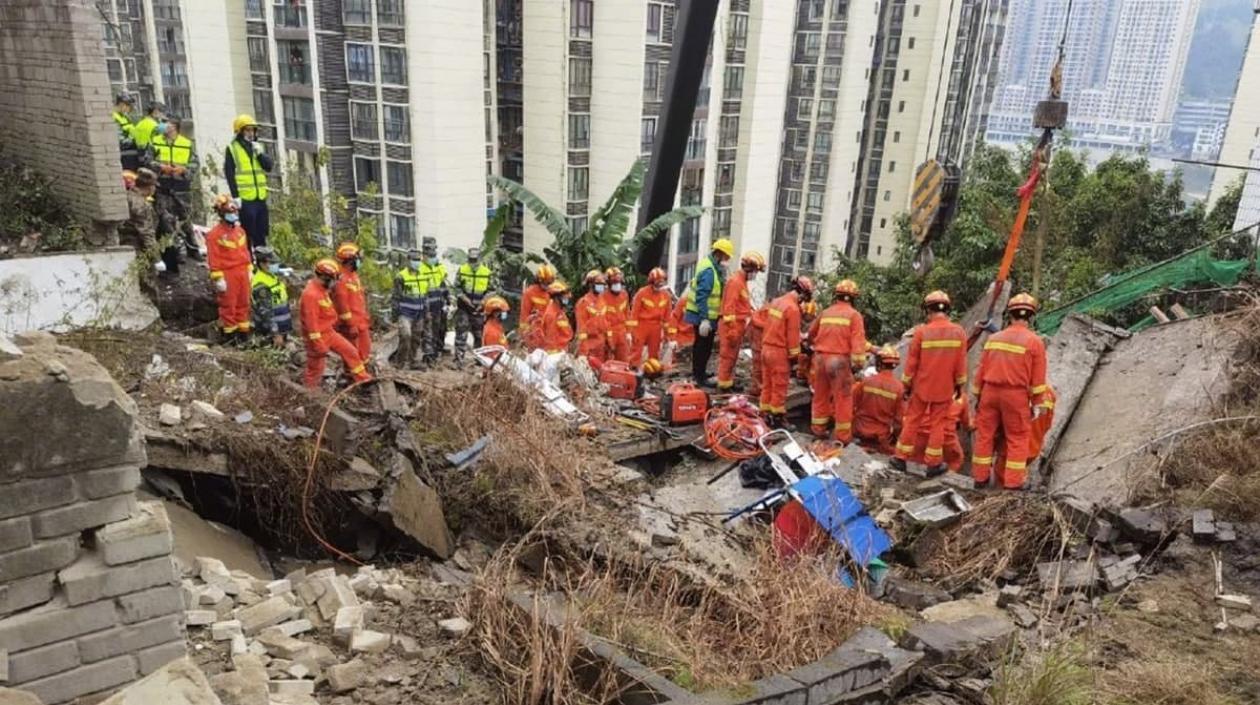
point(1243, 128)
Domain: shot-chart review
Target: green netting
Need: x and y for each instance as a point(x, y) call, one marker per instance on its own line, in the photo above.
point(1196, 266)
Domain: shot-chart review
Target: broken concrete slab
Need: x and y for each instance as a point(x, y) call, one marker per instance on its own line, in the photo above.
point(1225, 532)
point(11, 696)
point(359, 475)
point(348, 676)
point(980, 638)
point(983, 605)
point(1117, 574)
point(246, 685)
point(415, 509)
point(179, 682)
point(1023, 617)
point(913, 594)
point(1147, 527)
point(1067, 575)
point(1203, 526)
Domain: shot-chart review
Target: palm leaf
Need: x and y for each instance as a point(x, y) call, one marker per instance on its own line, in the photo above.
point(611, 222)
point(493, 233)
point(550, 218)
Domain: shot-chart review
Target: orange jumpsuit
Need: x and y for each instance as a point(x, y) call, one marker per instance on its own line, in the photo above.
point(319, 321)
point(592, 329)
point(533, 302)
point(735, 314)
point(227, 255)
point(959, 417)
point(647, 323)
point(355, 323)
point(1037, 437)
point(492, 332)
point(781, 343)
point(877, 407)
point(756, 330)
point(1010, 381)
point(616, 312)
point(838, 337)
point(935, 365)
point(555, 329)
point(678, 331)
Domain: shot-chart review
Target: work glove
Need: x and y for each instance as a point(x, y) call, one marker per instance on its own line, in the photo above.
point(220, 285)
point(258, 148)
point(705, 328)
point(160, 266)
point(1038, 411)
point(237, 202)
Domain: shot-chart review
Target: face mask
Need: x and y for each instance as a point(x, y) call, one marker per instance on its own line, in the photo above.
point(565, 301)
point(433, 260)
point(599, 288)
point(274, 268)
point(415, 264)
point(616, 288)
point(161, 128)
point(503, 315)
point(232, 218)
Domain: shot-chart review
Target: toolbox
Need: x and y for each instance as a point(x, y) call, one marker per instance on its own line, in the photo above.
point(622, 380)
point(684, 403)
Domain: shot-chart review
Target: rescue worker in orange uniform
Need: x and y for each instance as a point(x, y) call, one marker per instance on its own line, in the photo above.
point(838, 339)
point(1010, 387)
point(319, 322)
point(496, 310)
point(354, 321)
point(533, 302)
point(554, 324)
point(736, 314)
point(228, 256)
point(804, 361)
point(648, 311)
point(677, 330)
point(781, 345)
point(756, 331)
point(879, 404)
point(935, 372)
point(616, 303)
point(1036, 437)
point(957, 420)
point(593, 333)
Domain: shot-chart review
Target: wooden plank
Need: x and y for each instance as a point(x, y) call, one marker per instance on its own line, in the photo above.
point(1159, 315)
point(1179, 312)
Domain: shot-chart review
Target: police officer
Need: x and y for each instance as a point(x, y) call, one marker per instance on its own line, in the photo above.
point(436, 299)
point(411, 288)
point(471, 283)
point(171, 155)
point(124, 104)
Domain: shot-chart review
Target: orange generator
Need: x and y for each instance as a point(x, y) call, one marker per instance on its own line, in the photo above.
point(622, 380)
point(683, 404)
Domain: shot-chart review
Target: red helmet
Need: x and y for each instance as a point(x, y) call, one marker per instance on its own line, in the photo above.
point(753, 261)
point(328, 267)
point(937, 299)
point(804, 286)
point(593, 277)
point(657, 276)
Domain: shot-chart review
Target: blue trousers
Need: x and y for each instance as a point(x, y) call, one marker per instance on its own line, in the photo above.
point(256, 220)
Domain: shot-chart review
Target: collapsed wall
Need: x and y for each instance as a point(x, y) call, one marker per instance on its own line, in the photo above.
point(89, 597)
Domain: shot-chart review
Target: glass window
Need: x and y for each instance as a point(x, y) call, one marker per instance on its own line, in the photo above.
point(896, 136)
point(916, 10)
point(360, 64)
point(734, 81)
point(737, 38)
point(581, 18)
point(816, 9)
point(578, 183)
point(831, 76)
point(793, 199)
point(695, 143)
point(290, 13)
point(726, 177)
point(299, 118)
point(578, 224)
point(367, 174)
point(579, 131)
point(363, 124)
point(722, 222)
point(253, 10)
point(258, 54)
point(115, 69)
point(651, 81)
point(397, 123)
point(811, 42)
point(356, 11)
point(389, 13)
point(822, 142)
point(910, 43)
point(887, 195)
point(892, 166)
point(647, 134)
point(826, 109)
point(393, 66)
point(655, 13)
point(805, 107)
point(264, 108)
point(402, 231)
point(579, 77)
point(835, 42)
point(729, 132)
point(400, 179)
point(818, 172)
point(905, 75)
point(294, 58)
point(689, 236)
point(815, 202)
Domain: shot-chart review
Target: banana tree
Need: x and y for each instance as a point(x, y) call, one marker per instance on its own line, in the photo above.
point(604, 243)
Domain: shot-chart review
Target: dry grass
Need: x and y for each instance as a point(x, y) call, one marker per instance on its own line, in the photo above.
point(1008, 530)
point(1056, 676)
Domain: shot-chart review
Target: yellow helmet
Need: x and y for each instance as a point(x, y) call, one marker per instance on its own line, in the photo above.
point(243, 121)
point(546, 274)
point(724, 246)
point(936, 298)
point(614, 274)
point(495, 303)
point(889, 355)
point(847, 287)
point(328, 267)
point(653, 367)
point(752, 260)
point(809, 309)
point(347, 251)
point(594, 277)
point(1022, 302)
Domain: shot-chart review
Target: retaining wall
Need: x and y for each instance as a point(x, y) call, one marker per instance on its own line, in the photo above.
point(68, 290)
point(89, 596)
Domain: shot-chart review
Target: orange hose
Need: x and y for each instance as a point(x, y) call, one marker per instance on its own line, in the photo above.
point(731, 432)
point(310, 476)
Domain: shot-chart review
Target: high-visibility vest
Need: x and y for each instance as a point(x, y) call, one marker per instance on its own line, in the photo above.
point(715, 296)
point(251, 180)
point(281, 315)
point(436, 275)
point(415, 287)
point(143, 131)
point(177, 154)
point(474, 282)
point(125, 126)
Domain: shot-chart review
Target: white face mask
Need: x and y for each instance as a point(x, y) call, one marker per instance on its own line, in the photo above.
point(503, 315)
point(599, 288)
point(616, 287)
point(415, 264)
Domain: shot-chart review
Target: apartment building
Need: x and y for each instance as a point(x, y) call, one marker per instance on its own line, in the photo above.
point(507, 63)
point(146, 53)
point(1243, 128)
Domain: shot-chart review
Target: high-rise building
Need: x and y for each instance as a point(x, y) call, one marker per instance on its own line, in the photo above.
point(1243, 129)
point(1122, 69)
point(146, 53)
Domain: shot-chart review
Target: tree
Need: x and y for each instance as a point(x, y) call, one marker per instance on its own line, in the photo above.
point(604, 243)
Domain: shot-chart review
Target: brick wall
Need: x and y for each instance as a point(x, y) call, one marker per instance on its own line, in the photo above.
point(55, 115)
point(89, 596)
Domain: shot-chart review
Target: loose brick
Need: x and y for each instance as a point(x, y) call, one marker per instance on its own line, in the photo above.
point(55, 621)
point(267, 613)
point(44, 661)
point(15, 533)
point(89, 579)
point(86, 515)
point(155, 657)
point(27, 592)
point(42, 557)
point(155, 602)
point(146, 534)
point(31, 496)
point(108, 482)
point(83, 680)
point(129, 639)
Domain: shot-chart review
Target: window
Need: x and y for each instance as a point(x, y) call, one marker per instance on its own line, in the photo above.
point(815, 203)
point(726, 177)
point(808, 260)
point(579, 77)
point(901, 106)
point(822, 142)
point(841, 8)
point(883, 223)
point(887, 195)
point(896, 137)
point(294, 58)
point(695, 143)
point(910, 43)
point(811, 42)
point(299, 118)
point(397, 123)
point(290, 13)
point(264, 110)
point(258, 54)
point(578, 225)
point(579, 183)
point(689, 236)
point(835, 43)
point(818, 172)
point(360, 65)
point(647, 134)
point(804, 77)
point(793, 199)
point(804, 107)
point(737, 38)
point(174, 75)
point(356, 11)
point(400, 179)
point(810, 234)
point(734, 83)
point(655, 13)
point(651, 81)
point(115, 69)
point(722, 222)
point(253, 10)
point(363, 121)
point(916, 10)
point(580, 131)
point(831, 76)
point(892, 166)
point(826, 109)
point(367, 174)
point(402, 231)
point(684, 276)
point(905, 75)
point(817, 8)
point(728, 136)
point(389, 13)
point(581, 18)
point(393, 66)
point(787, 256)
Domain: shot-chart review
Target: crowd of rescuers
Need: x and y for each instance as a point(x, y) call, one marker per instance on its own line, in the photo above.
point(857, 396)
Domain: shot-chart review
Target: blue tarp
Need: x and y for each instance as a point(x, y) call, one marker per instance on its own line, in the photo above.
point(842, 515)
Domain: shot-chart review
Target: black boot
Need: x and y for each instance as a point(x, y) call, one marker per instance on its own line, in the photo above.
point(898, 464)
point(936, 470)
